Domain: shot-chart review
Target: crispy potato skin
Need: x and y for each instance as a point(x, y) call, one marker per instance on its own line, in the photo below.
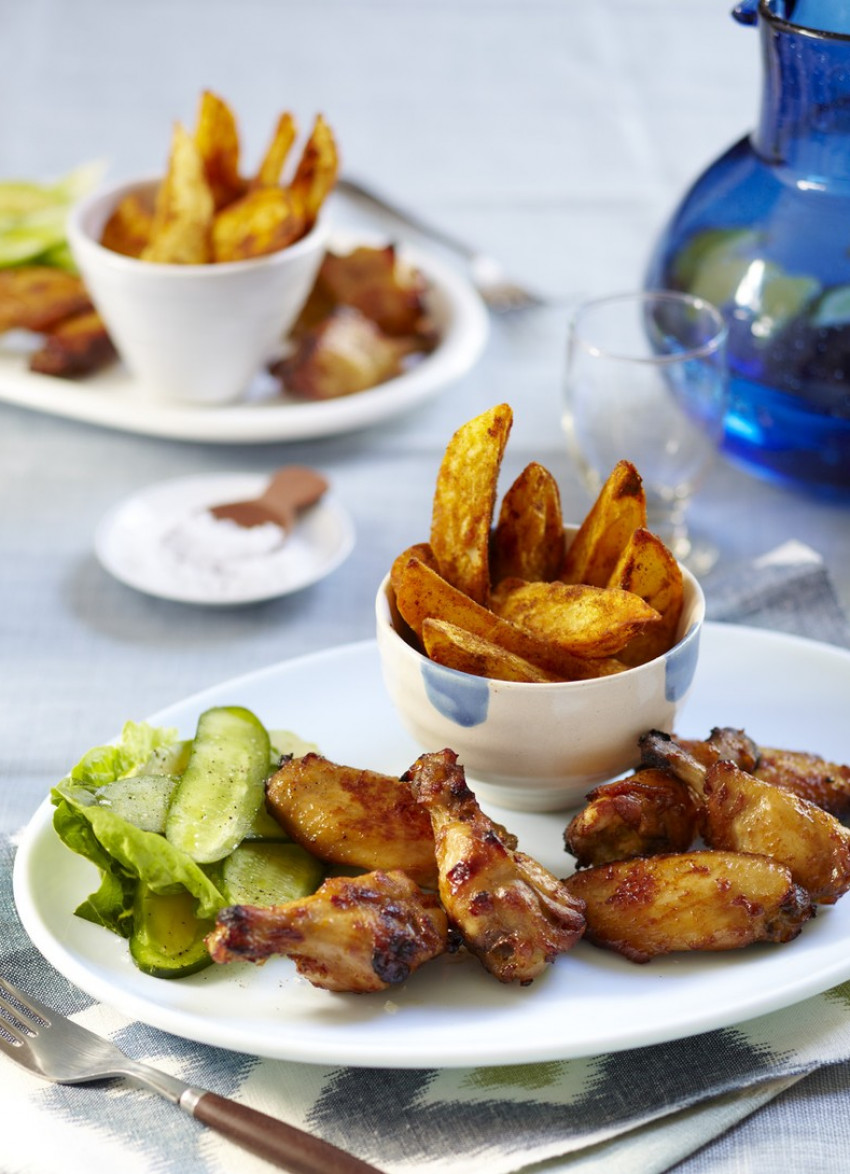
point(690, 901)
point(344, 815)
point(510, 911)
point(619, 509)
point(647, 814)
point(464, 501)
point(647, 568)
point(528, 542)
point(586, 621)
point(356, 934)
point(422, 593)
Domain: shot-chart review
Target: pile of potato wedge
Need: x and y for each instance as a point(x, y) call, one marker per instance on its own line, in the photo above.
point(510, 597)
point(204, 211)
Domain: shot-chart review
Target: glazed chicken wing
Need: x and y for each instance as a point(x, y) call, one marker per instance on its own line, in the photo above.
point(355, 934)
point(827, 784)
point(513, 914)
point(646, 814)
point(745, 814)
point(355, 817)
point(812, 777)
point(689, 901)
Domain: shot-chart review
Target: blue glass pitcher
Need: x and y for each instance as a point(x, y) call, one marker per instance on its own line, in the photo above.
point(764, 233)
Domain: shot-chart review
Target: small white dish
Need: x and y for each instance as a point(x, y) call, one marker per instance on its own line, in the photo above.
point(163, 542)
point(584, 732)
point(191, 334)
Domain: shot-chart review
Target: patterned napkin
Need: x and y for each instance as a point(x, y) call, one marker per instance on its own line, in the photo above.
point(636, 1112)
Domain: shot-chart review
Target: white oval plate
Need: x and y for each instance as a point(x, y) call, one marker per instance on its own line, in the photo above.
point(131, 542)
point(111, 399)
point(785, 691)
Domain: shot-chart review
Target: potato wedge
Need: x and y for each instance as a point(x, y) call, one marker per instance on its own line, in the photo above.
point(277, 152)
point(263, 221)
point(217, 139)
point(619, 509)
point(423, 594)
point(528, 542)
point(455, 648)
point(182, 224)
point(464, 501)
point(586, 621)
point(421, 551)
point(128, 229)
point(648, 569)
point(316, 172)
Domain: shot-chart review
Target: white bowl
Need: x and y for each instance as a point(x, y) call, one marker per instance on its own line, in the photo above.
point(538, 747)
point(191, 333)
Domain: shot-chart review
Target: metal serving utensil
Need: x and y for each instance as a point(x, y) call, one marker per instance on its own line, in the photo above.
point(54, 1047)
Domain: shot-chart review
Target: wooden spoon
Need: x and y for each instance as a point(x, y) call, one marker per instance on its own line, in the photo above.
point(290, 490)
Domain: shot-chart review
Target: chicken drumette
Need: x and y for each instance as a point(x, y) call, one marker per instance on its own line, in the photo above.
point(356, 934)
point(653, 811)
point(512, 913)
point(746, 814)
point(648, 813)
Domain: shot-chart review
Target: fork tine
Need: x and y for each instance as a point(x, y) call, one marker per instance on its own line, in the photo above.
point(29, 1003)
point(19, 1037)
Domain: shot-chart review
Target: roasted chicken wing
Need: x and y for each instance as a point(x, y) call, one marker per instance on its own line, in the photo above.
point(689, 901)
point(812, 777)
point(646, 814)
point(512, 913)
point(355, 934)
point(745, 814)
point(344, 815)
point(824, 783)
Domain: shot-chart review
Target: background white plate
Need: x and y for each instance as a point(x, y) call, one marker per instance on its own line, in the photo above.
point(128, 543)
point(786, 692)
point(110, 398)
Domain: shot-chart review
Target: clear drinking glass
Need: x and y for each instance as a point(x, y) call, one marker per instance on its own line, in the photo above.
point(646, 381)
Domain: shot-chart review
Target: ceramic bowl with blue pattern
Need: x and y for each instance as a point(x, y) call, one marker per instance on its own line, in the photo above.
point(537, 746)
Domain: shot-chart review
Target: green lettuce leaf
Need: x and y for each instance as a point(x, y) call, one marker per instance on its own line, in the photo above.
point(139, 742)
point(125, 855)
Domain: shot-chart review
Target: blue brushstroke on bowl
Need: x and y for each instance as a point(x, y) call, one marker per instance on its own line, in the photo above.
point(680, 664)
point(460, 697)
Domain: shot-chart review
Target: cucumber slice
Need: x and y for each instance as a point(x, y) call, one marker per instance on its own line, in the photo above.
point(142, 800)
point(171, 758)
point(285, 742)
point(222, 788)
point(168, 938)
point(264, 873)
point(265, 827)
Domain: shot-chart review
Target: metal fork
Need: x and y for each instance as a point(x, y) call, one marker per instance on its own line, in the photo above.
point(499, 292)
point(60, 1050)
